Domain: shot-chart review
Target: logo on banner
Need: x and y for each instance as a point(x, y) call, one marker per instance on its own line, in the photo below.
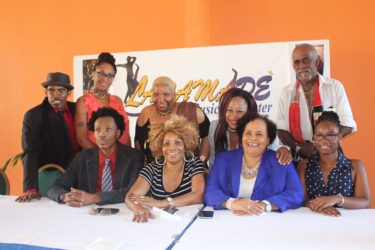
point(201, 91)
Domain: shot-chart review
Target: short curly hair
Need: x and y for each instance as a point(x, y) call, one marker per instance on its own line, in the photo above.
point(107, 112)
point(184, 129)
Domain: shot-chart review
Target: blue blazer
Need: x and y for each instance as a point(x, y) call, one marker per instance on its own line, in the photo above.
point(280, 185)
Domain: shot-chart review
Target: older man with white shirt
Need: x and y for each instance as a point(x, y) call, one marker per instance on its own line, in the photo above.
point(302, 102)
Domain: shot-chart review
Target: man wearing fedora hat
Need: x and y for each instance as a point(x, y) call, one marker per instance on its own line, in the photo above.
point(48, 134)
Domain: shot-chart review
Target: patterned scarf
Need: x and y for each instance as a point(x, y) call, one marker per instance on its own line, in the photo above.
point(295, 112)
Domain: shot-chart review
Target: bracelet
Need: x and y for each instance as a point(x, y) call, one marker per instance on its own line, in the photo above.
point(342, 200)
point(202, 158)
point(229, 203)
point(61, 198)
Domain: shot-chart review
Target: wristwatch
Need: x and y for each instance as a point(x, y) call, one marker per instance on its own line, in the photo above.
point(268, 207)
point(170, 201)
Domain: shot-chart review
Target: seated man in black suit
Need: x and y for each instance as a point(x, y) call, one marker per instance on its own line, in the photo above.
point(100, 175)
point(48, 133)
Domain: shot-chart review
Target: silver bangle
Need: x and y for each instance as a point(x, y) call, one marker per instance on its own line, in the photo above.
point(229, 203)
point(342, 200)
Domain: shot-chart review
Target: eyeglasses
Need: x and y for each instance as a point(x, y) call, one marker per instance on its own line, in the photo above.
point(104, 76)
point(328, 137)
point(60, 91)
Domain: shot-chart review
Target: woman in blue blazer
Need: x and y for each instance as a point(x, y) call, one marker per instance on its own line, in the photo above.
point(250, 180)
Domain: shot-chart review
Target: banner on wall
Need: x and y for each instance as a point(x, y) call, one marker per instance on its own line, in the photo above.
point(201, 74)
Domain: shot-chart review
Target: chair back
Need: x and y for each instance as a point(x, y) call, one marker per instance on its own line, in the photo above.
point(47, 176)
point(4, 184)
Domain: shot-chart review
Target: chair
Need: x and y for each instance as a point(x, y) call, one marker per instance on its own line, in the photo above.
point(47, 175)
point(4, 184)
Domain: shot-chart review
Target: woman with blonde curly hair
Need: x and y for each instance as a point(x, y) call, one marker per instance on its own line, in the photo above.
point(176, 177)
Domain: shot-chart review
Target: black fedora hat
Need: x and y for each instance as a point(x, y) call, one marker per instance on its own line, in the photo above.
point(58, 79)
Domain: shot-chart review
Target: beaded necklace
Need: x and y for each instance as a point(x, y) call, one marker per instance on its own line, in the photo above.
point(166, 112)
point(250, 172)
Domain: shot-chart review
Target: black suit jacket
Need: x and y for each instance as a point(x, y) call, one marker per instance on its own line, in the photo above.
point(82, 174)
point(45, 139)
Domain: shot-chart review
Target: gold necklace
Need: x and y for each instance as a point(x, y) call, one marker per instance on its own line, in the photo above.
point(309, 98)
point(98, 94)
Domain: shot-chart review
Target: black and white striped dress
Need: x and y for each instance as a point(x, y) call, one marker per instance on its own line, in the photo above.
point(153, 173)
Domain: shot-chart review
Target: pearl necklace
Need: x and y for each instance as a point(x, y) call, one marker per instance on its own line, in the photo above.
point(249, 172)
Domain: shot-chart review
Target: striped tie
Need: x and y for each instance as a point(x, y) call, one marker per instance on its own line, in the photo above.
point(106, 177)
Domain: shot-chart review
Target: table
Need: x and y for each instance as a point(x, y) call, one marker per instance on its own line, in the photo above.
point(293, 229)
point(46, 223)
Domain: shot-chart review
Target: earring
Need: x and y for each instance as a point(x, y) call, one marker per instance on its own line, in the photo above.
point(160, 163)
point(190, 160)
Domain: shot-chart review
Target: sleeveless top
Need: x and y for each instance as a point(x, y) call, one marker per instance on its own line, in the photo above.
point(187, 109)
point(339, 179)
point(92, 104)
point(141, 135)
point(153, 174)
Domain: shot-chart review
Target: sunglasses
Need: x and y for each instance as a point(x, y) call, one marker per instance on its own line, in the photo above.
point(60, 91)
point(103, 211)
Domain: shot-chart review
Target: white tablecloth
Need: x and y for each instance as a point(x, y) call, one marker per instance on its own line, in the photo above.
point(294, 229)
point(46, 223)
